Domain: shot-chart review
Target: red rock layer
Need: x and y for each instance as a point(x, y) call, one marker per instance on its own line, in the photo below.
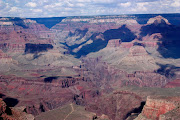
point(13, 37)
point(39, 95)
point(107, 74)
point(173, 84)
point(156, 106)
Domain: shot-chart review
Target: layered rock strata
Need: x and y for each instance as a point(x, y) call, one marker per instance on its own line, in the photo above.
point(160, 108)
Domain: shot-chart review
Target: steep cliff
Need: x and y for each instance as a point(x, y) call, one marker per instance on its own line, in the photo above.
point(160, 108)
point(13, 113)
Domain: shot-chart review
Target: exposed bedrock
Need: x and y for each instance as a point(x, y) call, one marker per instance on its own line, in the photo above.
point(157, 20)
point(117, 55)
point(14, 36)
point(106, 74)
point(114, 43)
point(25, 25)
point(40, 96)
point(117, 106)
point(173, 84)
point(100, 40)
point(160, 108)
point(4, 58)
point(83, 36)
point(169, 37)
point(13, 113)
point(11, 42)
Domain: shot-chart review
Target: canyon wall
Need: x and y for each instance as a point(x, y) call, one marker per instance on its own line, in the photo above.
point(159, 108)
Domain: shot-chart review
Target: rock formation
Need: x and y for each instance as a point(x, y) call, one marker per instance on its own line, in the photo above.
point(159, 108)
point(13, 113)
point(114, 43)
point(173, 84)
point(157, 20)
point(137, 51)
point(117, 105)
point(4, 58)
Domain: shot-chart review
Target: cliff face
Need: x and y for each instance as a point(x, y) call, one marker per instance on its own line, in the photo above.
point(7, 113)
point(106, 74)
point(14, 36)
point(159, 108)
point(114, 43)
point(43, 94)
point(157, 20)
point(24, 41)
point(77, 32)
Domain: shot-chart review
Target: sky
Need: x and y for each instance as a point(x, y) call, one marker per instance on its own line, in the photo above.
point(62, 8)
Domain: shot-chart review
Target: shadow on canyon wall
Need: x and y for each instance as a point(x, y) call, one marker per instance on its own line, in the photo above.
point(11, 102)
point(19, 22)
point(78, 32)
point(136, 110)
point(50, 79)
point(122, 33)
point(170, 38)
point(36, 48)
point(168, 70)
point(48, 22)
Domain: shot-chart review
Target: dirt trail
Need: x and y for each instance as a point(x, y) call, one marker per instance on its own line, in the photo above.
point(70, 112)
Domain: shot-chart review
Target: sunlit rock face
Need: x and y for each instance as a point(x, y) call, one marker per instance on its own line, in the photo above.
point(157, 20)
point(160, 108)
point(106, 65)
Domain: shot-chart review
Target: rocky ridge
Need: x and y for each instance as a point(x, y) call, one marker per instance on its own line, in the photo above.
point(157, 20)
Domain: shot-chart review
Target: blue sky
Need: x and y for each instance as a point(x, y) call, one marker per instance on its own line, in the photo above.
point(58, 8)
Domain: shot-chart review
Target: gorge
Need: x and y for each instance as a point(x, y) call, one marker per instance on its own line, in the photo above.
point(119, 67)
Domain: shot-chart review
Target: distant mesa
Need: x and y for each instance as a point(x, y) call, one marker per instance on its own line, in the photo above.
point(157, 20)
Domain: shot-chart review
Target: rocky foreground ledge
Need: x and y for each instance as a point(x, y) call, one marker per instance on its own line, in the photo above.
point(160, 108)
point(13, 113)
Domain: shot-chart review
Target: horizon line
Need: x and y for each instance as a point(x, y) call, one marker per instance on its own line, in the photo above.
point(94, 15)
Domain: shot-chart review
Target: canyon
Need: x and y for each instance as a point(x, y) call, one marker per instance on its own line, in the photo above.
point(95, 67)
